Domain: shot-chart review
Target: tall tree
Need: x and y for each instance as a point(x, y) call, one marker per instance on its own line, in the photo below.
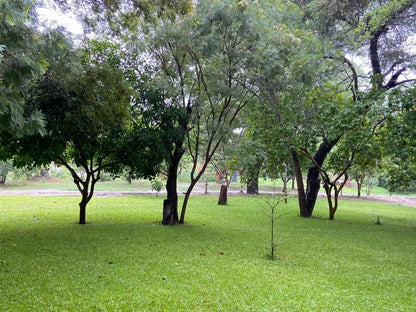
point(205, 62)
point(379, 31)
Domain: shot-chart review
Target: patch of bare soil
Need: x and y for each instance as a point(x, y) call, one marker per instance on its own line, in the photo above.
point(396, 200)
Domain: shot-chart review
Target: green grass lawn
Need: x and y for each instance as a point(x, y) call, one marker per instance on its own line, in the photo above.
point(123, 260)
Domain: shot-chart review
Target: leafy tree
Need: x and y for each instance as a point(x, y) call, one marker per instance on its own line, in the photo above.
point(205, 63)
point(86, 112)
point(357, 27)
point(126, 19)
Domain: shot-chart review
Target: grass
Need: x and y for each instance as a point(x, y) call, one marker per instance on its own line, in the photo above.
point(123, 260)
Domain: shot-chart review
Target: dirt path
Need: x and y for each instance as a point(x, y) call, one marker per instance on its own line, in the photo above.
point(398, 200)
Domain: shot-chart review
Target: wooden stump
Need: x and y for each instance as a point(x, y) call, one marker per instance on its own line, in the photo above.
point(222, 200)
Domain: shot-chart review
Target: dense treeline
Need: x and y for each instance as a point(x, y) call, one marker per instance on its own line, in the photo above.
point(290, 89)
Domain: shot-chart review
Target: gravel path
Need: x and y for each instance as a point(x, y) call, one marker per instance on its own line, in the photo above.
point(399, 200)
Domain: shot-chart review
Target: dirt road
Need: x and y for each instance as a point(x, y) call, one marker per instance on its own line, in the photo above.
point(399, 200)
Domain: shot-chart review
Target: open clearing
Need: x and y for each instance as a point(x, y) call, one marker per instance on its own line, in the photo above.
point(123, 260)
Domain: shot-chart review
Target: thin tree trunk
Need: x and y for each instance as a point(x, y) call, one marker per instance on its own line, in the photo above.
point(186, 199)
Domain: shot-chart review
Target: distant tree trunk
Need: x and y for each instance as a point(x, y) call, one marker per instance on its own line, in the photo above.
point(85, 186)
point(172, 184)
point(332, 185)
point(359, 178)
point(44, 173)
point(253, 178)
point(222, 200)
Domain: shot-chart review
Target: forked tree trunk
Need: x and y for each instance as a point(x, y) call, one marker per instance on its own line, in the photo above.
point(307, 200)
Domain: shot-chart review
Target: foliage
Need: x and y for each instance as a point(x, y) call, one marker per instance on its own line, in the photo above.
point(22, 58)
point(157, 185)
point(126, 18)
point(400, 141)
point(116, 262)
point(86, 111)
point(5, 168)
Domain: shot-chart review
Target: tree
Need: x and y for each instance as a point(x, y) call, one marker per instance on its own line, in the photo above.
point(381, 29)
point(85, 111)
point(221, 56)
point(205, 69)
point(125, 19)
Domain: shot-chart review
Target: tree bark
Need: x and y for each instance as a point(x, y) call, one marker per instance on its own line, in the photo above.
point(172, 184)
point(299, 183)
point(313, 181)
point(222, 200)
point(253, 178)
point(186, 199)
point(359, 185)
point(82, 210)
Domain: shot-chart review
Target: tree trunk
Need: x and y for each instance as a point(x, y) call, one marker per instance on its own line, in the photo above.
point(313, 184)
point(172, 184)
point(222, 200)
point(186, 199)
point(299, 182)
point(359, 186)
point(313, 181)
point(83, 209)
point(253, 178)
point(167, 212)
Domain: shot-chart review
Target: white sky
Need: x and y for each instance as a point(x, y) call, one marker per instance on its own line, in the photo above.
point(52, 18)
